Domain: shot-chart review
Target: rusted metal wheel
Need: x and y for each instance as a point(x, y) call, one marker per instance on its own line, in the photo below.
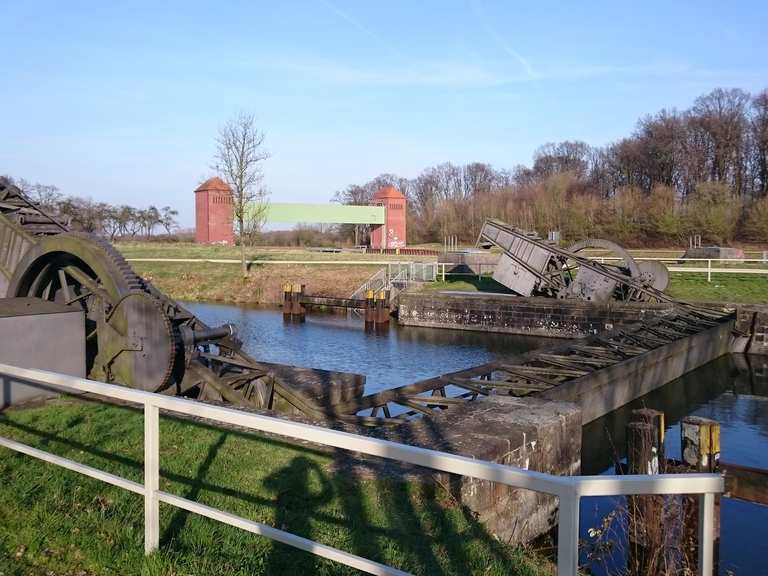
point(129, 338)
point(589, 284)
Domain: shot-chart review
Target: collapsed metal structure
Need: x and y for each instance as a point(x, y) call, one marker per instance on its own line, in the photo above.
point(534, 372)
point(139, 337)
point(531, 266)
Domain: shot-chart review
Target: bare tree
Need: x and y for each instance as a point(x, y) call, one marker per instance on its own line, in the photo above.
point(240, 153)
point(168, 219)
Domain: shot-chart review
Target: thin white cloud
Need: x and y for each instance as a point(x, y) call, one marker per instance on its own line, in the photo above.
point(458, 74)
point(355, 23)
point(479, 10)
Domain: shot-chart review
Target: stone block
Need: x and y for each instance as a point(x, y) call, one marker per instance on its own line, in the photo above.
point(524, 432)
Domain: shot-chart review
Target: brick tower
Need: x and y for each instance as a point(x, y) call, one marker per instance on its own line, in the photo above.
point(213, 212)
point(391, 234)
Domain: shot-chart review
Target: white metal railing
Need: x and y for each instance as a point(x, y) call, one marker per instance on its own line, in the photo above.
point(568, 489)
point(376, 282)
point(482, 268)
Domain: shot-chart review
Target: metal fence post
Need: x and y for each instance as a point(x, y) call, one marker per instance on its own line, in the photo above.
point(151, 477)
point(568, 535)
point(706, 534)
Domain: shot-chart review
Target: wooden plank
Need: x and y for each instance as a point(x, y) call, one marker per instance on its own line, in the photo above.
point(546, 370)
point(437, 400)
point(599, 363)
point(414, 406)
point(332, 302)
point(746, 483)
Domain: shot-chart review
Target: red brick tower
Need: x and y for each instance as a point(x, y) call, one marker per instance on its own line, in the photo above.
point(213, 212)
point(392, 233)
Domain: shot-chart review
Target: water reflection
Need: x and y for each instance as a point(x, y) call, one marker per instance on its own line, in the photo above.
point(387, 358)
point(732, 390)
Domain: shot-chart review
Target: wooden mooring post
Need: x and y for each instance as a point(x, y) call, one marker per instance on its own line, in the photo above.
point(293, 310)
point(376, 309)
point(663, 530)
point(646, 530)
point(700, 452)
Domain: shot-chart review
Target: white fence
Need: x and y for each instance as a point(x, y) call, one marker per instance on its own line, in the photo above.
point(679, 265)
point(568, 489)
point(441, 268)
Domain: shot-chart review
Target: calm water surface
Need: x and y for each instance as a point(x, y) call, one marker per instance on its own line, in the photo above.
point(732, 390)
point(333, 342)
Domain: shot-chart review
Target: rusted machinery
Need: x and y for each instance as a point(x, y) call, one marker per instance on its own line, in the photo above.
point(531, 266)
point(135, 334)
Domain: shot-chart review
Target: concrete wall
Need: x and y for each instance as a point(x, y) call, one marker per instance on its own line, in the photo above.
point(39, 334)
point(752, 324)
point(525, 432)
point(609, 388)
point(516, 315)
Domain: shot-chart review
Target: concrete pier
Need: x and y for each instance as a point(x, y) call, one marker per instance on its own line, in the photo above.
point(510, 314)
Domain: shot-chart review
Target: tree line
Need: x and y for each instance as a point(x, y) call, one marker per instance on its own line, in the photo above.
point(102, 218)
point(703, 170)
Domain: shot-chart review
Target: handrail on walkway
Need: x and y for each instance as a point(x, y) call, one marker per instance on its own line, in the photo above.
point(568, 489)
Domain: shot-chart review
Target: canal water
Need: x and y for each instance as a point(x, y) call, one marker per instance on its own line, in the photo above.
point(387, 358)
point(732, 390)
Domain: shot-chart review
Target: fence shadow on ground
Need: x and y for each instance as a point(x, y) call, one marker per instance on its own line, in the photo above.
point(414, 526)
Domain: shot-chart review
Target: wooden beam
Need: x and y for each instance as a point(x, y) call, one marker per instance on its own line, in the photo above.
point(746, 483)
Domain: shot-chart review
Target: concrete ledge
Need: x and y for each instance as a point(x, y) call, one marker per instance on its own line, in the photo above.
point(509, 314)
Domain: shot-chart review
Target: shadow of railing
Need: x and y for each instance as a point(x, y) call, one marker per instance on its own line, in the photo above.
point(414, 525)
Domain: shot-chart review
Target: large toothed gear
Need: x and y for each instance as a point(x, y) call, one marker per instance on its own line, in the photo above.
point(130, 340)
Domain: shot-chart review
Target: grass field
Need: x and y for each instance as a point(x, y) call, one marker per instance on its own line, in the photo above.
point(55, 522)
point(192, 250)
point(264, 285)
point(742, 288)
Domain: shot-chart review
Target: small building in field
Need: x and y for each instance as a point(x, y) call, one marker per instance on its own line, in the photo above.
point(391, 234)
point(214, 213)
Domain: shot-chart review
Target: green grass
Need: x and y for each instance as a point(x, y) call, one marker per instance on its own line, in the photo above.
point(734, 288)
point(192, 250)
point(53, 521)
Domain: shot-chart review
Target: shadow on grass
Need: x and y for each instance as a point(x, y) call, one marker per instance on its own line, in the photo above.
point(386, 520)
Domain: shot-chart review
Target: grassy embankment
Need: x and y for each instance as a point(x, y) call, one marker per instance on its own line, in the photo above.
point(53, 521)
point(222, 281)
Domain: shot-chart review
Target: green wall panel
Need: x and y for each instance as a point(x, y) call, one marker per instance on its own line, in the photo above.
point(330, 213)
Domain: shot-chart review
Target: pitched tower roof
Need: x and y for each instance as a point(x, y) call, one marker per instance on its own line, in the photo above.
point(214, 184)
point(388, 192)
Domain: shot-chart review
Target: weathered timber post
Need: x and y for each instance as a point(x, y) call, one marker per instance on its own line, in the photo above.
point(287, 302)
point(645, 441)
point(700, 442)
point(298, 312)
point(292, 307)
point(370, 308)
point(382, 310)
point(645, 449)
point(700, 447)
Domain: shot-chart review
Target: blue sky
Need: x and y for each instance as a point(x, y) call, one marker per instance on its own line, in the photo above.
point(121, 101)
